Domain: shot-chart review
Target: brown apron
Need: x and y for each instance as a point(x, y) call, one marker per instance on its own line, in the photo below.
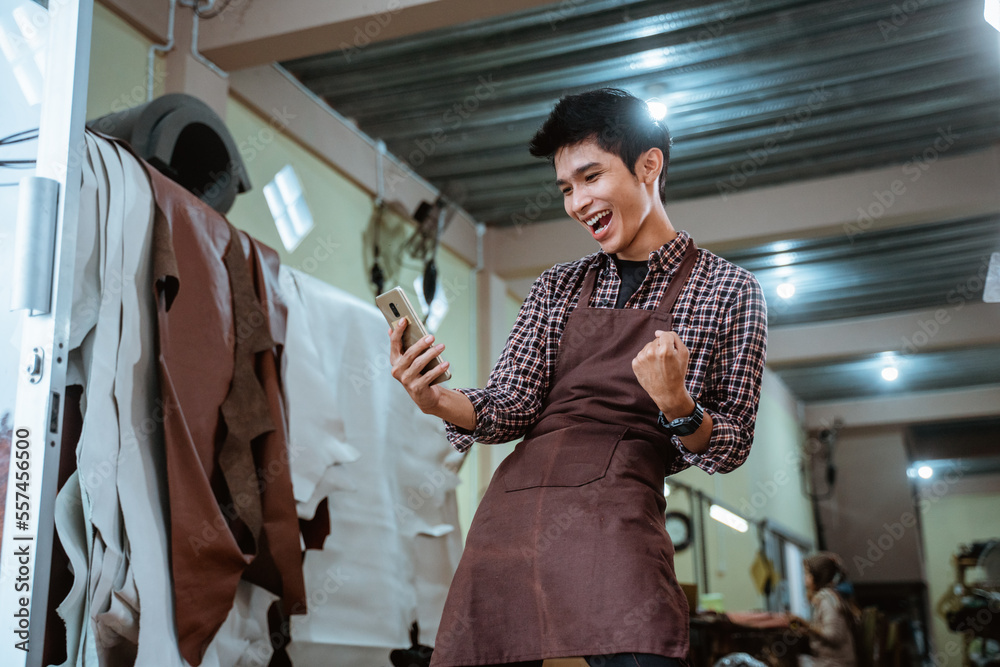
point(568, 554)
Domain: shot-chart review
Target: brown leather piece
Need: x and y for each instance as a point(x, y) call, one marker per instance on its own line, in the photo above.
point(245, 409)
point(211, 357)
point(568, 554)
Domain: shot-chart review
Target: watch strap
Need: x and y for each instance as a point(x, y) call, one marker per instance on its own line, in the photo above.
point(683, 426)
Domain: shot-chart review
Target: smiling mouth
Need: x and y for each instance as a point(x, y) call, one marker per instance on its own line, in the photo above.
point(598, 223)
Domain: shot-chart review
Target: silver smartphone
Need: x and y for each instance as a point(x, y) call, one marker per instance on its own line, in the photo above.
point(395, 306)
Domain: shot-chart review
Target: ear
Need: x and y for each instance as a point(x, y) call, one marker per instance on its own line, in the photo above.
point(649, 166)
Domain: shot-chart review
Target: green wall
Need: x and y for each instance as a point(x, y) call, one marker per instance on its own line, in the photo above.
point(768, 485)
point(948, 521)
point(334, 250)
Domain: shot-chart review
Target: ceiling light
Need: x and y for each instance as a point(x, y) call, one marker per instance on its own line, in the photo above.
point(722, 515)
point(786, 290)
point(889, 373)
point(657, 109)
point(648, 60)
point(992, 13)
point(925, 472)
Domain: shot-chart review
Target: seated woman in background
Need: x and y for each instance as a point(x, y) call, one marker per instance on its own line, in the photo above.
point(831, 631)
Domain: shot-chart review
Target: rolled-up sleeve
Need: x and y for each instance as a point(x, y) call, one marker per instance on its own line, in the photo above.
point(512, 399)
point(731, 391)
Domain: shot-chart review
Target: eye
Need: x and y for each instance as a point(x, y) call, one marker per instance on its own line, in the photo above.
point(566, 191)
point(592, 177)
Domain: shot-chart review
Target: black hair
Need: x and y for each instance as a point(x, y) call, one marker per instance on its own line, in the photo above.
point(619, 122)
point(826, 568)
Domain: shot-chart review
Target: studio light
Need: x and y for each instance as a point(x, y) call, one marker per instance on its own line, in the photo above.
point(889, 373)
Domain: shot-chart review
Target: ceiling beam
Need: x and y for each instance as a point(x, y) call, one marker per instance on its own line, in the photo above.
point(150, 18)
point(270, 92)
point(951, 188)
point(960, 324)
point(248, 34)
point(905, 409)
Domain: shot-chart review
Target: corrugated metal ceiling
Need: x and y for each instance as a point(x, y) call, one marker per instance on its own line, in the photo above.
point(760, 92)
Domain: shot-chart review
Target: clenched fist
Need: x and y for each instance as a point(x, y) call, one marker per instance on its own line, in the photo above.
point(660, 368)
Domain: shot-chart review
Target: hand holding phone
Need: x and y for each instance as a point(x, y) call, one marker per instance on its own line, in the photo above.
point(395, 306)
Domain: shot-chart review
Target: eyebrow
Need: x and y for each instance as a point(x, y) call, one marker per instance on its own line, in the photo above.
point(578, 171)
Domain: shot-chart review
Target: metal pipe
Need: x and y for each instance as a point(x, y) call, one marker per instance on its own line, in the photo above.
point(159, 48)
point(194, 43)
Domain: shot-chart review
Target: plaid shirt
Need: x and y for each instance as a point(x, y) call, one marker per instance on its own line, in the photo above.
point(720, 315)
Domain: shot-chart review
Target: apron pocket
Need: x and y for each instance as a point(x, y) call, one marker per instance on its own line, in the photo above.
point(570, 456)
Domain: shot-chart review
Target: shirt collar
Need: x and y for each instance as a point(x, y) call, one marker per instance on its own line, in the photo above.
point(666, 258)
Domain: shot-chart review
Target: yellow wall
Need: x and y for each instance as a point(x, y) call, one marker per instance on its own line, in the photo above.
point(334, 250)
point(948, 521)
point(118, 66)
point(767, 486)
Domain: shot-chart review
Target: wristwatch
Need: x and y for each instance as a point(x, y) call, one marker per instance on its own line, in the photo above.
point(683, 425)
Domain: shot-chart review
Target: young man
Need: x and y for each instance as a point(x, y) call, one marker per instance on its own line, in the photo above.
point(623, 367)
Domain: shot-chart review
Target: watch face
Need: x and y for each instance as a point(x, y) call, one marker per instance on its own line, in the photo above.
point(679, 529)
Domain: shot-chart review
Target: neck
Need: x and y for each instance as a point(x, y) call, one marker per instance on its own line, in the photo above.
point(655, 232)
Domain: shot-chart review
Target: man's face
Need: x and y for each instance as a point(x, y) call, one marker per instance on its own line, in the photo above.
point(602, 195)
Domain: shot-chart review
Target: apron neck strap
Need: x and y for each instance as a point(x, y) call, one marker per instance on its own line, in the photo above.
point(680, 278)
point(673, 290)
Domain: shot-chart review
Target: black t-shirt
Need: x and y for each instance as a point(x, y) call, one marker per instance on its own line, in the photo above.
point(632, 274)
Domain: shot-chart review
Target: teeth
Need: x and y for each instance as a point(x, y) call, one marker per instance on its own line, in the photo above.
point(595, 219)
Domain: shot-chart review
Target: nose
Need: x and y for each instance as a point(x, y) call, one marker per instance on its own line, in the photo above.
point(579, 202)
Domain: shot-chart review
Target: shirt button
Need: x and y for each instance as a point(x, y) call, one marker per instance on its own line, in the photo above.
point(603, 303)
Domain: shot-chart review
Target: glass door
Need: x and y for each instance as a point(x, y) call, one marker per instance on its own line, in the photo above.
point(44, 62)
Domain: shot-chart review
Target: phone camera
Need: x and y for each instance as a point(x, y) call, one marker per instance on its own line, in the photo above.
point(393, 307)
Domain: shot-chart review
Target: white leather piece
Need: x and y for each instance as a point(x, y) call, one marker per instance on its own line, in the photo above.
point(97, 450)
point(142, 610)
point(427, 483)
point(315, 438)
point(115, 533)
point(368, 584)
point(72, 531)
point(244, 639)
